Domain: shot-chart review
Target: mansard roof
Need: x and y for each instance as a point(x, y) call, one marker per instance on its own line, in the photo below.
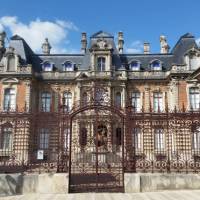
point(119, 61)
point(21, 48)
point(146, 59)
point(185, 43)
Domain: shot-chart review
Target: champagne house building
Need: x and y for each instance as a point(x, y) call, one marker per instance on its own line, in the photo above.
point(101, 113)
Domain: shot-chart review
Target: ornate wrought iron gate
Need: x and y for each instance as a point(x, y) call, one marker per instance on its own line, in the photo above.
point(96, 150)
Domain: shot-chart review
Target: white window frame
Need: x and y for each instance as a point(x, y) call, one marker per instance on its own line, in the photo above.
point(7, 138)
point(196, 140)
point(66, 138)
point(44, 136)
point(136, 101)
point(135, 68)
point(66, 67)
point(137, 138)
point(46, 99)
point(67, 96)
point(194, 98)
point(9, 103)
point(101, 64)
point(159, 139)
point(49, 68)
point(158, 102)
point(158, 68)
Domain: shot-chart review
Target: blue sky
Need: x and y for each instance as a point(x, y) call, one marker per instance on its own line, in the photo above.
point(62, 21)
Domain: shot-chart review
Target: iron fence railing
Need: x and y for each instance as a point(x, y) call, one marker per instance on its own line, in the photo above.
point(153, 142)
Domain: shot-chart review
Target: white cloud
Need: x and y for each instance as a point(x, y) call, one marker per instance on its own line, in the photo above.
point(135, 47)
point(36, 31)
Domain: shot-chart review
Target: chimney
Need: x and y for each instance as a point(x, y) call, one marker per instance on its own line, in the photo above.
point(146, 48)
point(83, 42)
point(164, 47)
point(120, 42)
point(2, 40)
point(46, 47)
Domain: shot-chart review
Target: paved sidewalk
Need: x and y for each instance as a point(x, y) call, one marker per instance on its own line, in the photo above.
point(167, 195)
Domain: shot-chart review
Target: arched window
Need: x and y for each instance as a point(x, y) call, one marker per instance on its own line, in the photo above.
point(135, 66)
point(67, 101)
point(45, 102)
point(156, 65)
point(47, 66)
point(9, 99)
point(101, 62)
point(194, 96)
point(11, 64)
point(83, 137)
point(118, 99)
point(68, 66)
point(6, 138)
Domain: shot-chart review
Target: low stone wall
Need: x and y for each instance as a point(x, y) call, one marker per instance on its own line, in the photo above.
point(12, 184)
point(160, 182)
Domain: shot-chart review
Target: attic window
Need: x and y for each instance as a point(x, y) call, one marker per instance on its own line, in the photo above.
point(47, 66)
point(68, 66)
point(11, 63)
point(101, 62)
point(156, 65)
point(135, 65)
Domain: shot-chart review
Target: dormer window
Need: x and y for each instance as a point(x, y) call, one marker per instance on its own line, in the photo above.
point(101, 64)
point(156, 65)
point(135, 66)
point(11, 63)
point(47, 66)
point(68, 66)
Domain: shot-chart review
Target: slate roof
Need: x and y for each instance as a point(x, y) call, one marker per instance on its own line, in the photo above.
point(21, 48)
point(120, 61)
point(146, 59)
point(186, 42)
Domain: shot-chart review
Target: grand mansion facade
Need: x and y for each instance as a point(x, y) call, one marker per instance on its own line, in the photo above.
point(100, 113)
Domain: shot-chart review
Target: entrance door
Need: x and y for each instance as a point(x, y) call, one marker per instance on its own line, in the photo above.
point(96, 152)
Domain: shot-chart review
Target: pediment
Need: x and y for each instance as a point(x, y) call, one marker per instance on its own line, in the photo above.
point(82, 76)
point(10, 80)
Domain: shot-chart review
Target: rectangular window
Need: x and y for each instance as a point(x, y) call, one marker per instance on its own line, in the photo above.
point(157, 102)
point(159, 140)
point(137, 138)
point(136, 101)
point(67, 101)
point(46, 102)
point(196, 140)
point(194, 98)
point(9, 99)
point(44, 138)
point(6, 138)
point(66, 138)
point(118, 99)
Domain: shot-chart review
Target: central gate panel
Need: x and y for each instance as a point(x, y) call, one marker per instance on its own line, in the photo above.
point(96, 159)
